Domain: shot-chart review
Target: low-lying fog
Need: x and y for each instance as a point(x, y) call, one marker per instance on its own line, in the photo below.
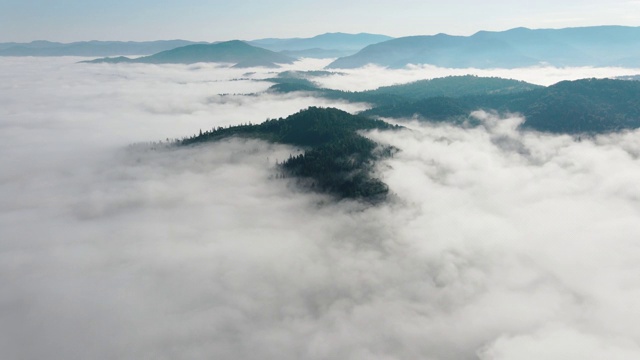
point(496, 244)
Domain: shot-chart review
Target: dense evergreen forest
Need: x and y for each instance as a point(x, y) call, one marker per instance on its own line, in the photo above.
point(336, 159)
point(450, 86)
point(581, 106)
point(571, 107)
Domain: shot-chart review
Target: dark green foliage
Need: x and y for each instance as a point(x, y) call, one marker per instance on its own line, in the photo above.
point(397, 95)
point(455, 86)
point(336, 160)
point(296, 84)
point(589, 105)
point(582, 106)
point(629, 77)
point(435, 108)
point(301, 78)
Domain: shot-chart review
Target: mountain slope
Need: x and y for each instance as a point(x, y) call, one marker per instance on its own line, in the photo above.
point(328, 41)
point(571, 107)
point(321, 46)
point(234, 51)
point(597, 46)
point(397, 95)
point(337, 160)
point(455, 86)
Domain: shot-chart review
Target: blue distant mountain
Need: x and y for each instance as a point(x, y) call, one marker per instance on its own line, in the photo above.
point(234, 52)
point(89, 48)
point(322, 46)
point(331, 45)
point(520, 47)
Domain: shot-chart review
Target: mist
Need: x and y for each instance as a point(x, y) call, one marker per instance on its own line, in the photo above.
point(372, 76)
point(496, 244)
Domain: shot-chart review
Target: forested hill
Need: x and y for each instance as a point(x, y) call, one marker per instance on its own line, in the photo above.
point(395, 95)
point(235, 51)
point(336, 160)
point(581, 106)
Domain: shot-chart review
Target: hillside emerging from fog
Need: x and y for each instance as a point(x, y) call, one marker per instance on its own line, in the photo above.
point(235, 51)
point(571, 107)
point(519, 47)
point(336, 159)
point(450, 86)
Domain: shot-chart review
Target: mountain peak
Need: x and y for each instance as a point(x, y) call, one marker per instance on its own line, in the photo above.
point(233, 51)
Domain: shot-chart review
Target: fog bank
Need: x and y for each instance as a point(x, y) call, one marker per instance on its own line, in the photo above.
point(495, 244)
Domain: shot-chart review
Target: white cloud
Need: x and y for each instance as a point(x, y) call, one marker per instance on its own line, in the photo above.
point(372, 77)
point(198, 253)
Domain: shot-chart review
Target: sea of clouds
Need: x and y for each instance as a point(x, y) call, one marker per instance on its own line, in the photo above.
point(495, 244)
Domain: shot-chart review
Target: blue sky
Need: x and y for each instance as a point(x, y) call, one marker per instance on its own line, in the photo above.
point(75, 20)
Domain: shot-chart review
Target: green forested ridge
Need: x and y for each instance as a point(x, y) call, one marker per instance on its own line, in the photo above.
point(581, 106)
point(336, 159)
point(455, 86)
point(397, 95)
point(434, 108)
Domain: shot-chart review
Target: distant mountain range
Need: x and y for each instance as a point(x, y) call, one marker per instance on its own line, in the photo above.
point(331, 45)
point(237, 52)
point(89, 48)
point(520, 47)
point(328, 45)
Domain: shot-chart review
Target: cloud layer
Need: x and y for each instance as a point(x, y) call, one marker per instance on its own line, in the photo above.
point(372, 77)
point(496, 244)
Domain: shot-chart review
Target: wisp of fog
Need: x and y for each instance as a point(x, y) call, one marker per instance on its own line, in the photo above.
point(495, 244)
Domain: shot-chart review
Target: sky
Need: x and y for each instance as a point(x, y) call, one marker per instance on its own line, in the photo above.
point(205, 20)
point(495, 244)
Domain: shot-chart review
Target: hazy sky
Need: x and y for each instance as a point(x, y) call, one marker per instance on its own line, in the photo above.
point(74, 20)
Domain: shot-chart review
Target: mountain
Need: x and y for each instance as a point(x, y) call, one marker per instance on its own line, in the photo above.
point(336, 160)
point(629, 77)
point(321, 46)
point(570, 107)
point(397, 95)
point(89, 48)
point(235, 51)
point(520, 47)
point(581, 106)
point(456, 86)
point(317, 53)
